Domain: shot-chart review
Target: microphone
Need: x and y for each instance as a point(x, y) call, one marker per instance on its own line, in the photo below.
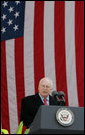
point(55, 95)
point(61, 95)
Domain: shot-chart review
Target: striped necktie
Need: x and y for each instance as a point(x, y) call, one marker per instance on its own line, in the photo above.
point(45, 101)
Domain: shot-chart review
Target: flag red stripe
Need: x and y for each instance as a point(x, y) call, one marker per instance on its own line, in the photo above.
point(4, 92)
point(38, 43)
point(19, 73)
point(60, 60)
point(79, 42)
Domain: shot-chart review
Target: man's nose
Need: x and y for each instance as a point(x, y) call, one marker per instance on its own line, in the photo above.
point(44, 87)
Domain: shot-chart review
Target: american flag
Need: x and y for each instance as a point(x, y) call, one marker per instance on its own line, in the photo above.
point(40, 39)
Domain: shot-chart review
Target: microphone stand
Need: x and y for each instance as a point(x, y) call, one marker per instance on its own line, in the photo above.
point(62, 101)
point(61, 95)
point(58, 100)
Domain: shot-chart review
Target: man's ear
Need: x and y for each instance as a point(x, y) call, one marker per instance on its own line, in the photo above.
point(38, 87)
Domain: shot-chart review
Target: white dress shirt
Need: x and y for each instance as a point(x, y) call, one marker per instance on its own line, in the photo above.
point(42, 98)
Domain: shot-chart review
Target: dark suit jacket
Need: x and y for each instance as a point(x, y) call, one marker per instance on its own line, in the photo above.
point(30, 106)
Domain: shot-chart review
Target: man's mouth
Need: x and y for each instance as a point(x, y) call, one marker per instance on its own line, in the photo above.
point(45, 92)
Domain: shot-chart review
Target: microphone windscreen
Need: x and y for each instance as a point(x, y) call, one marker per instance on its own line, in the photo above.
point(54, 93)
point(61, 93)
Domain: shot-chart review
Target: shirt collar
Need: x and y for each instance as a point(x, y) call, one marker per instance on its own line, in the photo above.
point(43, 97)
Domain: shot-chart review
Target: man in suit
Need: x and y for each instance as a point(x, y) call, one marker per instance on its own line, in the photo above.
point(31, 104)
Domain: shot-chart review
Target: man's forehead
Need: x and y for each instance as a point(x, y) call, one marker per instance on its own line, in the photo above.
point(45, 81)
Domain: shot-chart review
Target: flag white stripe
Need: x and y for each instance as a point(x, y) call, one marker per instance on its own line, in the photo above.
point(11, 85)
point(28, 49)
point(70, 52)
point(49, 41)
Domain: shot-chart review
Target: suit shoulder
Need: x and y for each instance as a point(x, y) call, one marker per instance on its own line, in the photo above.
point(28, 98)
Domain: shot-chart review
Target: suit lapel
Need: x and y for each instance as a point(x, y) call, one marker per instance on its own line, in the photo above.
point(51, 102)
point(38, 100)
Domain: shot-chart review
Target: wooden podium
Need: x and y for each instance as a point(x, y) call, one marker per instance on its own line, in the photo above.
point(45, 121)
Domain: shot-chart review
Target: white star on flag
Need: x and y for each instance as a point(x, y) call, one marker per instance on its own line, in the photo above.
point(16, 14)
point(11, 9)
point(3, 17)
point(9, 22)
point(17, 2)
point(15, 27)
point(5, 4)
point(3, 30)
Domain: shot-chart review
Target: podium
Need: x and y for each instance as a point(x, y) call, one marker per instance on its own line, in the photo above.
point(45, 121)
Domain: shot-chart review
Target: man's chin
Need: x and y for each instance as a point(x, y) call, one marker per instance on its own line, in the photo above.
point(45, 95)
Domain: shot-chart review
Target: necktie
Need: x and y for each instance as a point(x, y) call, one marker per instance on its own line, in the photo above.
point(45, 101)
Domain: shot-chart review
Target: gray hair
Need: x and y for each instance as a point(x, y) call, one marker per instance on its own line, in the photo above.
point(48, 79)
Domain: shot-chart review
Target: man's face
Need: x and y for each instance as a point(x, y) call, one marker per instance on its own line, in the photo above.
point(45, 88)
